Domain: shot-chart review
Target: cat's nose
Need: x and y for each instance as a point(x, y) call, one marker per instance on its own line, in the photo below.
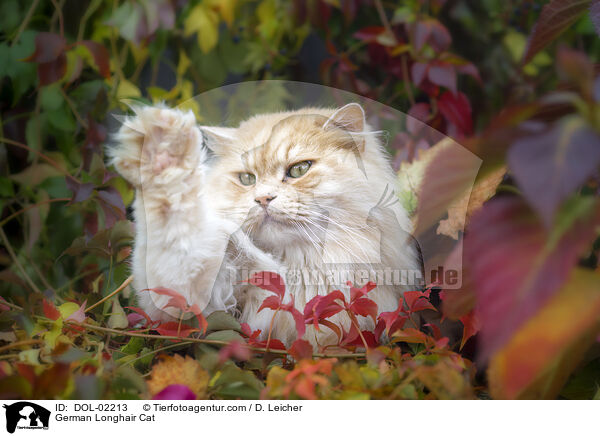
point(265, 200)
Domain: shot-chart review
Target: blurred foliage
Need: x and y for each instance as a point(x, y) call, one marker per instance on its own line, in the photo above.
point(516, 82)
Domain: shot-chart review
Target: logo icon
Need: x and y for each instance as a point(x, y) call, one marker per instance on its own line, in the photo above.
point(26, 415)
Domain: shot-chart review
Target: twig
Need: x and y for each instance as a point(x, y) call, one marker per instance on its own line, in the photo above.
point(9, 356)
point(31, 206)
point(156, 351)
point(61, 23)
point(11, 305)
point(25, 22)
point(112, 294)
point(202, 341)
point(82, 23)
point(42, 155)
point(271, 329)
point(21, 344)
point(73, 108)
point(406, 80)
point(384, 19)
point(16, 261)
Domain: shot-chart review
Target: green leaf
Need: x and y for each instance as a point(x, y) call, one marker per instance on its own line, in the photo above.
point(235, 383)
point(220, 320)
point(117, 319)
point(225, 335)
point(51, 97)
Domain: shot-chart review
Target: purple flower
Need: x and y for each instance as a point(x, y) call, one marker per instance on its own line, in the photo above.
point(175, 392)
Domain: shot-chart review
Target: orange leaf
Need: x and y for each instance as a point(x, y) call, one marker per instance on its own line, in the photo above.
point(540, 356)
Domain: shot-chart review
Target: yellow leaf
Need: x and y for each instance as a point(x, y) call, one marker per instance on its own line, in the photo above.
point(227, 10)
point(67, 309)
point(460, 212)
point(127, 89)
point(205, 23)
point(539, 358)
point(184, 63)
point(178, 370)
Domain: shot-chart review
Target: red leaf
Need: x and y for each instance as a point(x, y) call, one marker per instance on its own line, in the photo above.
point(470, 70)
point(531, 270)
point(234, 349)
point(393, 320)
point(269, 281)
point(443, 75)
point(552, 165)
point(370, 339)
point(141, 313)
point(273, 302)
point(298, 317)
point(177, 300)
point(50, 310)
point(202, 323)
point(100, 55)
point(357, 293)
point(274, 344)
point(111, 198)
point(418, 72)
point(418, 300)
point(246, 330)
point(471, 326)
point(173, 328)
point(50, 72)
point(365, 307)
point(322, 307)
point(457, 109)
point(301, 349)
point(369, 33)
point(433, 32)
point(48, 48)
point(81, 191)
point(554, 19)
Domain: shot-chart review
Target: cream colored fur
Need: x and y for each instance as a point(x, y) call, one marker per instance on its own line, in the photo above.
point(195, 221)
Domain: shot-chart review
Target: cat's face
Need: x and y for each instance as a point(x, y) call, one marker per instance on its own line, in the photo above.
point(290, 174)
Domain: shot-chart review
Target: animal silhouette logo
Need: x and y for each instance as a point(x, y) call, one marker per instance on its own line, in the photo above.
point(26, 415)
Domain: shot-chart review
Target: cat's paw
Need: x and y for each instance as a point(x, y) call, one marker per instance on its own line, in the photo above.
point(157, 146)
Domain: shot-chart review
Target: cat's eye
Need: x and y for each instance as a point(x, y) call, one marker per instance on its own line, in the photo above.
point(299, 169)
point(247, 179)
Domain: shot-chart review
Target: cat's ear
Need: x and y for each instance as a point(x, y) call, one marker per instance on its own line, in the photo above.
point(350, 117)
point(218, 139)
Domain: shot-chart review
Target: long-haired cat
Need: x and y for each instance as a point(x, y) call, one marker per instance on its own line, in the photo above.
point(304, 193)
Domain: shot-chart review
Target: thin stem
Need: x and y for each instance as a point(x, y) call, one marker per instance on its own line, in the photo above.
point(355, 323)
point(156, 351)
point(16, 261)
point(61, 22)
point(43, 156)
point(31, 206)
point(406, 80)
point(9, 356)
point(383, 18)
point(88, 13)
point(112, 294)
point(11, 305)
point(73, 108)
point(271, 328)
point(21, 344)
point(202, 341)
point(25, 22)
